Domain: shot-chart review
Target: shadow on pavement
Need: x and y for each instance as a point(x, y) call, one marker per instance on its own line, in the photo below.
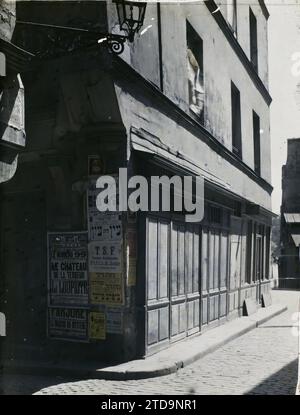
point(15, 384)
point(283, 382)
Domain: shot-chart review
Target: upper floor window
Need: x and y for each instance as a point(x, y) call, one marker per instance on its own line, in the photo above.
point(195, 71)
point(236, 121)
point(256, 140)
point(232, 15)
point(253, 39)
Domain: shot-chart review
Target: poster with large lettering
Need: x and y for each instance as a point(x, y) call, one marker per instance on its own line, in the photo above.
point(68, 323)
point(67, 268)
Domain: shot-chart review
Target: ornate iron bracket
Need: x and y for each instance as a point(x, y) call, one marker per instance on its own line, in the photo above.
point(115, 43)
point(50, 41)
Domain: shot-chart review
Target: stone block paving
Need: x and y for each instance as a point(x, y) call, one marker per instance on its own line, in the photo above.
point(263, 361)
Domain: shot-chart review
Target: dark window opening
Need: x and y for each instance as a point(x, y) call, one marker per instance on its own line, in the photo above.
point(253, 39)
point(256, 140)
point(215, 215)
point(268, 241)
point(249, 253)
point(236, 121)
point(195, 72)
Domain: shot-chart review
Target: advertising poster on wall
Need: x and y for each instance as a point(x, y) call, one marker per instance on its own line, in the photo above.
point(67, 268)
point(114, 320)
point(104, 226)
point(131, 279)
point(97, 329)
point(131, 255)
point(106, 288)
point(68, 323)
point(105, 257)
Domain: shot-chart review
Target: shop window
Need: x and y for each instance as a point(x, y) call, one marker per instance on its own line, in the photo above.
point(256, 141)
point(172, 287)
point(195, 72)
point(215, 215)
point(253, 39)
point(204, 259)
point(268, 241)
point(236, 121)
point(249, 253)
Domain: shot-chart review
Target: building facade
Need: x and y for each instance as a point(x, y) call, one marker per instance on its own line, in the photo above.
point(188, 97)
point(289, 269)
point(12, 134)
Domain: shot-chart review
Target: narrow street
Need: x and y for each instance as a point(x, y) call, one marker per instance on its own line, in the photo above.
point(263, 361)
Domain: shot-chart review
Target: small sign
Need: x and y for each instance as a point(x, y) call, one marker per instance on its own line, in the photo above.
point(114, 320)
point(68, 323)
point(97, 330)
point(266, 299)
point(249, 307)
point(105, 257)
point(2, 64)
point(2, 325)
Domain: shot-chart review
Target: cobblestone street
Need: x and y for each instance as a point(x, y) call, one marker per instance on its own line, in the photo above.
point(263, 361)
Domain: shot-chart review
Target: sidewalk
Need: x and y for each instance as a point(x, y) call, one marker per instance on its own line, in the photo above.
point(165, 362)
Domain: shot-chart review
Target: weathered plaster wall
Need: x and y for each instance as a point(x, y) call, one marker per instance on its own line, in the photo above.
point(7, 18)
point(7, 24)
point(143, 53)
point(243, 34)
point(138, 111)
point(221, 66)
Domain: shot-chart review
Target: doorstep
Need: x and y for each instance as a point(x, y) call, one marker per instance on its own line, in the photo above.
point(165, 362)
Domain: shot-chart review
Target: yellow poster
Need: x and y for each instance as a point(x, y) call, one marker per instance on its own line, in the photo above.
point(106, 288)
point(131, 271)
point(97, 326)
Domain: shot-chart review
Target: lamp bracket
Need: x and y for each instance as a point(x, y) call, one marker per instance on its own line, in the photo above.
point(50, 41)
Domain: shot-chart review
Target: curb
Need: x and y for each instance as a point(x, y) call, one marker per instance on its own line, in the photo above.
point(115, 373)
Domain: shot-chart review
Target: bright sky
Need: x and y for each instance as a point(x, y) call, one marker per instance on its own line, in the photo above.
point(284, 42)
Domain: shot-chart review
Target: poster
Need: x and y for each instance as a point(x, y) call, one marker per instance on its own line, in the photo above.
point(114, 320)
point(131, 240)
point(131, 255)
point(104, 226)
point(131, 271)
point(68, 323)
point(67, 268)
point(106, 288)
point(93, 192)
point(105, 257)
point(96, 165)
point(97, 326)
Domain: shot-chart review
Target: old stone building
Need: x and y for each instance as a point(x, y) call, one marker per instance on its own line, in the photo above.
point(289, 265)
point(12, 60)
point(12, 134)
point(189, 96)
